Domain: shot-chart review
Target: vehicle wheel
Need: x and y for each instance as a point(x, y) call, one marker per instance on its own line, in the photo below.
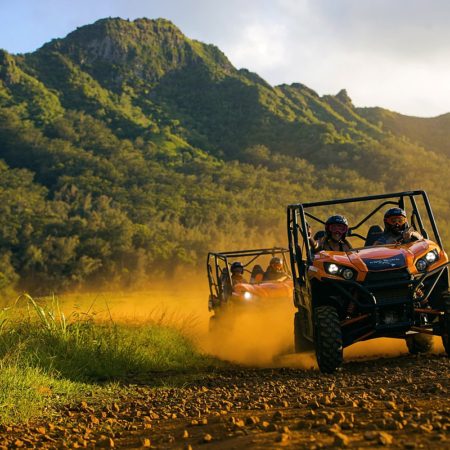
point(301, 344)
point(419, 343)
point(446, 323)
point(328, 338)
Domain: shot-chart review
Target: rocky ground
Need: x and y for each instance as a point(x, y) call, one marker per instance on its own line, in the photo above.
point(392, 403)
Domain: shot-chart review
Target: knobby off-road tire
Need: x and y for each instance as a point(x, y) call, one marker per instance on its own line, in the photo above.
point(419, 343)
point(301, 344)
point(328, 338)
point(446, 323)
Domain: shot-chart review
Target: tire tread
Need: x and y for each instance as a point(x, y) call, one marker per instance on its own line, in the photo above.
point(329, 344)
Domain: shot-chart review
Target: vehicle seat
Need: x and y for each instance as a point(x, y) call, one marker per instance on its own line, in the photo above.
point(225, 282)
point(257, 274)
point(372, 235)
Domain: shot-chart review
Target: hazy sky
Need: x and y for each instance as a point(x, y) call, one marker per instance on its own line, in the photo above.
point(389, 53)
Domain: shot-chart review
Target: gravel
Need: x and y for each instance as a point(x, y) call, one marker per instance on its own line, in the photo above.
point(388, 403)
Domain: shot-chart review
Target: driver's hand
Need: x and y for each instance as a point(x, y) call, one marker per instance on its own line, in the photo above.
point(407, 235)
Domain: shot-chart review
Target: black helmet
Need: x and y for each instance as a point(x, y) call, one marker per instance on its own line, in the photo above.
point(336, 220)
point(395, 212)
point(395, 220)
point(237, 267)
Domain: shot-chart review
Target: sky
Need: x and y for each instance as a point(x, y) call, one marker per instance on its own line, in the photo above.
point(389, 53)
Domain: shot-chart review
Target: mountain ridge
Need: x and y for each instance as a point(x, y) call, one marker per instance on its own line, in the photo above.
point(111, 52)
point(431, 132)
point(129, 149)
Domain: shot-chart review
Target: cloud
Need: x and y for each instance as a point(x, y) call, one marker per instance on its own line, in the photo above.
point(394, 54)
point(404, 28)
point(391, 54)
point(263, 45)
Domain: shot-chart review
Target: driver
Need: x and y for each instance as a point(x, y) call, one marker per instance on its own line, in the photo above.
point(396, 229)
point(237, 273)
point(275, 270)
point(336, 228)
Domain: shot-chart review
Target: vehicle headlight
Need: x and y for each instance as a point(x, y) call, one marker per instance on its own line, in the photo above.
point(431, 257)
point(347, 274)
point(421, 265)
point(341, 271)
point(333, 269)
point(248, 295)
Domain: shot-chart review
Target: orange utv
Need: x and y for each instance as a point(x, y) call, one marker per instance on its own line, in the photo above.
point(397, 291)
point(229, 296)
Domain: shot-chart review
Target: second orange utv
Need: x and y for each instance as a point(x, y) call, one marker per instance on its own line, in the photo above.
point(238, 283)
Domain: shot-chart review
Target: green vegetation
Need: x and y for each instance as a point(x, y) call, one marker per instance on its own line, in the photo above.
point(129, 150)
point(26, 392)
point(432, 133)
point(48, 359)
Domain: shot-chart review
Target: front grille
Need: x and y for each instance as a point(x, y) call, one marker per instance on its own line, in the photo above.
point(389, 287)
point(391, 296)
point(388, 276)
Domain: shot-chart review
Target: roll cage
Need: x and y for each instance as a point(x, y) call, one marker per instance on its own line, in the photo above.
point(217, 265)
point(301, 255)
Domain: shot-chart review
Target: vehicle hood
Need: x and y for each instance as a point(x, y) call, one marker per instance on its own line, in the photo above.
point(386, 257)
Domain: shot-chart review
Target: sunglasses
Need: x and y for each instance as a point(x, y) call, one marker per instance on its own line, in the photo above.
point(396, 220)
point(338, 228)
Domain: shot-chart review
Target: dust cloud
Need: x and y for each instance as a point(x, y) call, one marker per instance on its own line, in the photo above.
point(182, 304)
point(252, 336)
point(384, 347)
point(256, 336)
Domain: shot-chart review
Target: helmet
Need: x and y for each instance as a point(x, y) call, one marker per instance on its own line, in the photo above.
point(237, 267)
point(336, 224)
point(395, 220)
point(276, 263)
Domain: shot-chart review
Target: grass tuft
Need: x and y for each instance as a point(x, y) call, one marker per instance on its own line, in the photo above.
point(47, 358)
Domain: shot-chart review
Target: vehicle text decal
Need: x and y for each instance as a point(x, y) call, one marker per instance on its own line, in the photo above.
point(393, 262)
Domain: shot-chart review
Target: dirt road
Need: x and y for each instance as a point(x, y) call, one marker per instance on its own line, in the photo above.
point(400, 402)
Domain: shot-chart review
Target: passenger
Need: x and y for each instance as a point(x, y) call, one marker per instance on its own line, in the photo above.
point(336, 228)
point(237, 273)
point(257, 274)
point(275, 271)
point(396, 229)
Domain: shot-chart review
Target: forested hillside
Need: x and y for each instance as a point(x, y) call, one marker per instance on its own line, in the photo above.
point(432, 132)
point(129, 151)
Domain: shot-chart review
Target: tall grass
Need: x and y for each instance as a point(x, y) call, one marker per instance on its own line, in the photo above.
point(46, 357)
point(26, 391)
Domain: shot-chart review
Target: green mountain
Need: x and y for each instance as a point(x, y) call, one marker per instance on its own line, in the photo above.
point(432, 133)
point(129, 150)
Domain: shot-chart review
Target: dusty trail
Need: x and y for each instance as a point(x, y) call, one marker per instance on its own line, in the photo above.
point(396, 403)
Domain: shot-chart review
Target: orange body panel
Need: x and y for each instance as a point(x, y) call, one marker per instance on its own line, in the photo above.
point(354, 259)
point(273, 289)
